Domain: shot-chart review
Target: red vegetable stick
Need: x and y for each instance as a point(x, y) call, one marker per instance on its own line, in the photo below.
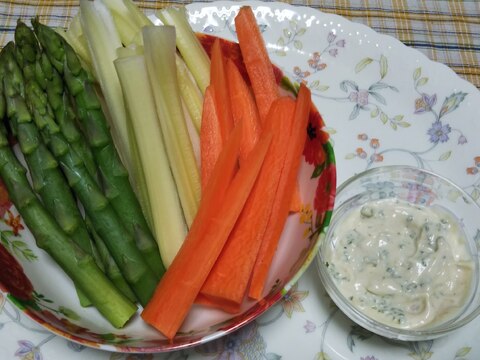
point(257, 62)
point(244, 109)
point(222, 98)
point(282, 201)
point(210, 137)
point(227, 282)
point(183, 280)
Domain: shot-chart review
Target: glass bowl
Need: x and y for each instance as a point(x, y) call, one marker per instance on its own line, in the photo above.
point(380, 296)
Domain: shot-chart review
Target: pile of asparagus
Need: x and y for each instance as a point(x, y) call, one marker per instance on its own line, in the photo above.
point(49, 105)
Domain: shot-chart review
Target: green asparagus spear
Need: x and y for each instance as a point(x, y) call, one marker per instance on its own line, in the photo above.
point(48, 180)
point(114, 176)
point(76, 263)
point(29, 57)
point(36, 66)
point(111, 268)
point(106, 221)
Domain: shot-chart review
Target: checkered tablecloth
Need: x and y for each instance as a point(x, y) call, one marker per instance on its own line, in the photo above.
point(446, 31)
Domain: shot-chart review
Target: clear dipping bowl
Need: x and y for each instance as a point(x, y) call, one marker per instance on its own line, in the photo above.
point(419, 187)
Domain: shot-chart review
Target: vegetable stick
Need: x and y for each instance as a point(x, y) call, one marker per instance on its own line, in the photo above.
point(159, 46)
point(296, 202)
point(115, 179)
point(188, 45)
point(257, 62)
point(212, 197)
point(103, 40)
point(181, 284)
point(219, 80)
point(282, 201)
point(230, 50)
point(229, 307)
point(167, 215)
point(228, 280)
point(192, 97)
point(244, 109)
point(48, 235)
point(210, 136)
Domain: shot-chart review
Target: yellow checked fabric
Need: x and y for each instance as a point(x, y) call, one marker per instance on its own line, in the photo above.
point(446, 31)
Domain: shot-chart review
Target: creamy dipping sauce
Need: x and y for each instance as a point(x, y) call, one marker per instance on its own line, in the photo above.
point(404, 265)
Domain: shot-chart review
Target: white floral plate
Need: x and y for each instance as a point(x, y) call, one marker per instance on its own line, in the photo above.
point(383, 104)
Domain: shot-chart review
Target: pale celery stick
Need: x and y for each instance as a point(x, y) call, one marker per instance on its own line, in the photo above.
point(189, 46)
point(103, 40)
point(190, 92)
point(130, 50)
point(140, 181)
point(136, 14)
point(168, 222)
point(159, 47)
point(139, 173)
point(194, 135)
point(129, 20)
point(126, 30)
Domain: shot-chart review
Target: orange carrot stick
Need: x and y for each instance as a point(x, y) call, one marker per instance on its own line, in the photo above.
point(257, 62)
point(296, 202)
point(228, 307)
point(210, 136)
point(244, 109)
point(228, 280)
point(219, 181)
point(219, 80)
point(282, 201)
point(232, 51)
point(183, 280)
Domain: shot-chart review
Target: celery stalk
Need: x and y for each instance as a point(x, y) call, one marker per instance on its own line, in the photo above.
point(190, 93)
point(160, 50)
point(135, 13)
point(194, 135)
point(126, 30)
point(103, 41)
point(140, 182)
point(130, 50)
point(189, 46)
point(168, 222)
point(129, 20)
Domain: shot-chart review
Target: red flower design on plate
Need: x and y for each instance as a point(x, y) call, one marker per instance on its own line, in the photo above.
point(14, 222)
point(12, 277)
point(325, 193)
point(316, 137)
point(70, 328)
